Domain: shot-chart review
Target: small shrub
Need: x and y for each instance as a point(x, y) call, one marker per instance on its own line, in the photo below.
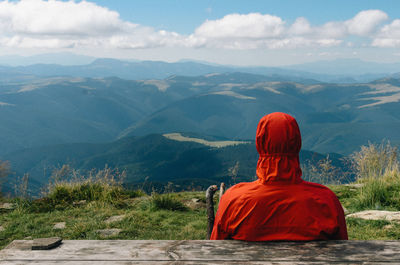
point(134, 193)
point(377, 168)
point(67, 193)
point(145, 203)
point(375, 161)
point(42, 205)
point(22, 205)
point(373, 195)
point(61, 194)
point(68, 186)
point(166, 202)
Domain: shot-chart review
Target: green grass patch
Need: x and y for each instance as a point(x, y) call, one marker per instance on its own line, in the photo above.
point(359, 229)
point(167, 201)
point(142, 220)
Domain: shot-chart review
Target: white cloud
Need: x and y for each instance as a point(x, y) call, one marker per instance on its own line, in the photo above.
point(56, 24)
point(37, 17)
point(300, 27)
point(250, 26)
point(392, 30)
point(366, 22)
point(254, 30)
point(388, 36)
point(331, 30)
point(386, 43)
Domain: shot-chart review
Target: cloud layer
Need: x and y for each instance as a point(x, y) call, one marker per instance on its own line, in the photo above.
point(56, 24)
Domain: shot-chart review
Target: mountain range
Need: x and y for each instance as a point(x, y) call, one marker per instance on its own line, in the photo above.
point(337, 71)
point(347, 67)
point(48, 107)
point(333, 117)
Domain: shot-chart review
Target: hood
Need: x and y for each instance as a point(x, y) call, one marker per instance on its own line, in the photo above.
point(278, 143)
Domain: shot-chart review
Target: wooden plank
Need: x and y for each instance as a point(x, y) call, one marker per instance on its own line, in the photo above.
point(203, 251)
point(172, 262)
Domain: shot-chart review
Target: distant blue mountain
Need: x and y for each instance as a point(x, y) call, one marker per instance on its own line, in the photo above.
point(339, 71)
point(348, 67)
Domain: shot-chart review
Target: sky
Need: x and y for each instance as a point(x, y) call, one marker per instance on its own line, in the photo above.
point(256, 32)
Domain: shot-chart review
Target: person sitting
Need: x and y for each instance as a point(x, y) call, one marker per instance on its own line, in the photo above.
point(280, 205)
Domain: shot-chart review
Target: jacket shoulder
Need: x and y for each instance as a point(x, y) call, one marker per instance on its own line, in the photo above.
point(319, 188)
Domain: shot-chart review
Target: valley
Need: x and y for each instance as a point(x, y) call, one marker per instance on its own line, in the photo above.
point(150, 162)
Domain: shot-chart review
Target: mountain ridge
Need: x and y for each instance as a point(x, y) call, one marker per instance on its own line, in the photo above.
point(133, 69)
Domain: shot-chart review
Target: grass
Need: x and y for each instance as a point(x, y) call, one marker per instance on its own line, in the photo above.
point(377, 168)
point(145, 221)
point(86, 202)
point(376, 161)
point(167, 202)
point(142, 221)
point(372, 229)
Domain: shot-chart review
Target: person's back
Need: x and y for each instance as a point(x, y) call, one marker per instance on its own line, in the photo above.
point(279, 205)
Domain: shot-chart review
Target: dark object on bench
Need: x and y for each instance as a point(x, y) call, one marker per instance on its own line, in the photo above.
point(46, 243)
point(210, 208)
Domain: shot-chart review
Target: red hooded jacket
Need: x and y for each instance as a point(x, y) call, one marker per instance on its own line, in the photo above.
point(279, 205)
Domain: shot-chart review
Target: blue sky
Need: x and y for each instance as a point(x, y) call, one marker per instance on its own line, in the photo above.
point(185, 15)
point(256, 32)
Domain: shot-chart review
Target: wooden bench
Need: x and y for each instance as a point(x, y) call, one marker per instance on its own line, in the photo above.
point(203, 252)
